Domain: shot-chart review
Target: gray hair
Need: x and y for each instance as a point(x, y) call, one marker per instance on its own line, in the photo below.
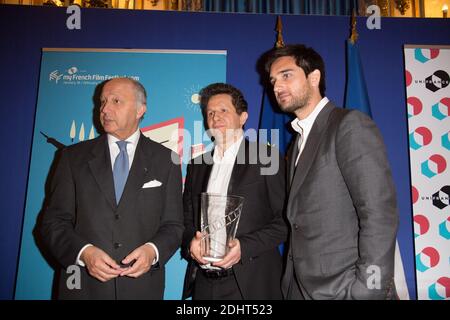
point(141, 94)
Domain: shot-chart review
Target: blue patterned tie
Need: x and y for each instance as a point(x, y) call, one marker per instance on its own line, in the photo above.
point(120, 170)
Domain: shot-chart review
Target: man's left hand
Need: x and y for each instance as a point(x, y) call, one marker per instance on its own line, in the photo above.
point(232, 257)
point(143, 256)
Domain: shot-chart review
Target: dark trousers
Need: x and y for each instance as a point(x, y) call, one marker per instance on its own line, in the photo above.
point(225, 288)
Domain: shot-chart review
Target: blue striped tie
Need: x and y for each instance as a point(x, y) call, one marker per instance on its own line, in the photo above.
point(120, 170)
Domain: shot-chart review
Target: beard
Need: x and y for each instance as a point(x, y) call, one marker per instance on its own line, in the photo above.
point(297, 102)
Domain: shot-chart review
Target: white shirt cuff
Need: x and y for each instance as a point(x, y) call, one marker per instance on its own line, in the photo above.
point(78, 261)
point(155, 261)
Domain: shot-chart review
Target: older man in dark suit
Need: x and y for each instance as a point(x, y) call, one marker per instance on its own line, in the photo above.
point(341, 203)
point(116, 207)
point(252, 268)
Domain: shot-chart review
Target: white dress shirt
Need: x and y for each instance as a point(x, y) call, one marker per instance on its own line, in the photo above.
point(304, 126)
point(218, 182)
point(114, 152)
point(222, 168)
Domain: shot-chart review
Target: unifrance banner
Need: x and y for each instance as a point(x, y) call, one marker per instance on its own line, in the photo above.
point(65, 115)
point(428, 103)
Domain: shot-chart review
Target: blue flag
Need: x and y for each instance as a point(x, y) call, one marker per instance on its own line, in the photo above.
point(273, 118)
point(356, 96)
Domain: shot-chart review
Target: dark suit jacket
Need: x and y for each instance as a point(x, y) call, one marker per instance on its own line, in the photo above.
point(261, 227)
point(342, 211)
point(83, 210)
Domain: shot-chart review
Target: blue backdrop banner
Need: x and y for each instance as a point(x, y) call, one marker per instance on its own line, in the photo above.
point(65, 115)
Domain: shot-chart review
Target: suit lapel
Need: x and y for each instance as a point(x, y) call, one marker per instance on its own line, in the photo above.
point(139, 171)
point(101, 169)
point(308, 155)
point(200, 180)
point(238, 169)
point(292, 156)
point(205, 172)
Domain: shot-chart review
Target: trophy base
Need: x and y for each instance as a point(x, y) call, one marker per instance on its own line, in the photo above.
point(212, 259)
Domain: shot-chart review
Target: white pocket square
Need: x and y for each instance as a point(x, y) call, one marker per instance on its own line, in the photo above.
point(152, 184)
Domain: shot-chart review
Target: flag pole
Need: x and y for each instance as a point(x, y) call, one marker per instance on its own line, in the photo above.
point(279, 29)
point(356, 94)
point(354, 33)
point(271, 116)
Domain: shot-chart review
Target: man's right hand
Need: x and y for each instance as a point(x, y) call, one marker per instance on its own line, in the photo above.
point(196, 250)
point(99, 264)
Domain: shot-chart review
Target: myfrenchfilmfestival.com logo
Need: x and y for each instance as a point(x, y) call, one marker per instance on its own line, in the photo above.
point(55, 75)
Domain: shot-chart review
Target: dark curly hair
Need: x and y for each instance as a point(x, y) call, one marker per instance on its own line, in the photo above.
point(236, 95)
point(306, 58)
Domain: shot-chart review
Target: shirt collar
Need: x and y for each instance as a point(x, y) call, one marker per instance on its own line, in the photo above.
point(306, 124)
point(229, 154)
point(133, 139)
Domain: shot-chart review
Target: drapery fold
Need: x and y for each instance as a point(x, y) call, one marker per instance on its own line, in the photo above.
point(320, 7)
